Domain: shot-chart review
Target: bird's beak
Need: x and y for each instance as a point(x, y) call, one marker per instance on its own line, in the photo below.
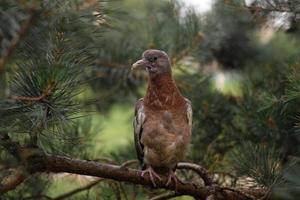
point(139, 64)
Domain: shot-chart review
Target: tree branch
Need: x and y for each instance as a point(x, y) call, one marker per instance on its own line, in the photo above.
point(198, 38)
point(272, 9)
point(40, 162)
point(91, 168)
point(45, 94)
point(202, 172)
point(77, 190)
point(34, 161)
point(11, 181)
point(164, 196)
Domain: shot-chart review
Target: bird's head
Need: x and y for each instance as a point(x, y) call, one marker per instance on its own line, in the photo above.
point(155, 61)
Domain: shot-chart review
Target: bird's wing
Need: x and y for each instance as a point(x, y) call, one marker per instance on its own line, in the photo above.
point(189, 112)
point(138, 122)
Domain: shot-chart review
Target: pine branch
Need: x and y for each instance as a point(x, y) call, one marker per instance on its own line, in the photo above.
point(164, 196)
point(45, 93)
point(201, 171)
point(198, 38)
point(11, 181)
point(77, 190)
point(271, 9)
point(258, 8)
point(36, 162)
point(63, 164)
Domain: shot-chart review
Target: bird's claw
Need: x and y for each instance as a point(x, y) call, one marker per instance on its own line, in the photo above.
point(172, 176)
point(152, 174)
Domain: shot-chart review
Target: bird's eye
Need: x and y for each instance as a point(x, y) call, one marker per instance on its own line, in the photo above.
point(152, 59)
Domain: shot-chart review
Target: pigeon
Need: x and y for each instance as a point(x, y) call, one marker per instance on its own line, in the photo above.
point(162, 121)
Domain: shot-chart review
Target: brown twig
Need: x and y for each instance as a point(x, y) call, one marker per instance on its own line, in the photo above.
point(105, 159)
point(129, 163)
point(201, 171)
point(77, 190)
point(211, 197)
point(166, 195)
point(273, 9)
point(256, 8)
point(86, 4)
point(198, 38)
point(237, 191)
point(40, 197)
point(45, 94)
point(11, 181)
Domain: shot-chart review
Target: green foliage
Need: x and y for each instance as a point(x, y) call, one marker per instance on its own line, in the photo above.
point(75, 58)
point(259, 162)
point(29, 189)
point(10, 17)
point(139, 29)
point(290, 189)
point(229, 36)
point(213, 114)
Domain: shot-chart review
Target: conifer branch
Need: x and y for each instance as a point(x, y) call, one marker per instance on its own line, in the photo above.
point(201, 171)
point(164, 196)
point(36, 162)
point(118, 173)
point(185, 52)
point(45, 93)
point(77, 190)
point(11, 181)
point(270, 8)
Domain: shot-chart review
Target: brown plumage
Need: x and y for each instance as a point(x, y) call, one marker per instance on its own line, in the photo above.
point(163, 119)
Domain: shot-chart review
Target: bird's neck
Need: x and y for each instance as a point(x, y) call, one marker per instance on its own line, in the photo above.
point(162, 92)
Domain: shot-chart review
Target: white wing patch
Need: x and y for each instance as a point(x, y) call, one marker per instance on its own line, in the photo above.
point(189, 112)
point(140, 118)
point(138, 123)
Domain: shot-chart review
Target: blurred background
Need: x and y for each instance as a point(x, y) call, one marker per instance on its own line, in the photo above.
point(237, 61)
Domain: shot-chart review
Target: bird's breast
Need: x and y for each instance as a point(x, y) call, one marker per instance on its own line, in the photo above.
point(165, 137)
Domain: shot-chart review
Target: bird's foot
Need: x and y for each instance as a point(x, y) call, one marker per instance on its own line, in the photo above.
point(172, 176)
point(152, 174)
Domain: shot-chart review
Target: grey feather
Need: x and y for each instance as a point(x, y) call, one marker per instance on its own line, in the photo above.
point(138, 122)
point(189, 112)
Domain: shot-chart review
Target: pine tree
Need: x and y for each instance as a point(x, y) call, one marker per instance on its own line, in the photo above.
point(62, 62)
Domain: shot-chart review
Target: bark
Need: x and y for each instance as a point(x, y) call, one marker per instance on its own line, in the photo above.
point(37, 162)
point(63, 164)
point(11, 181)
